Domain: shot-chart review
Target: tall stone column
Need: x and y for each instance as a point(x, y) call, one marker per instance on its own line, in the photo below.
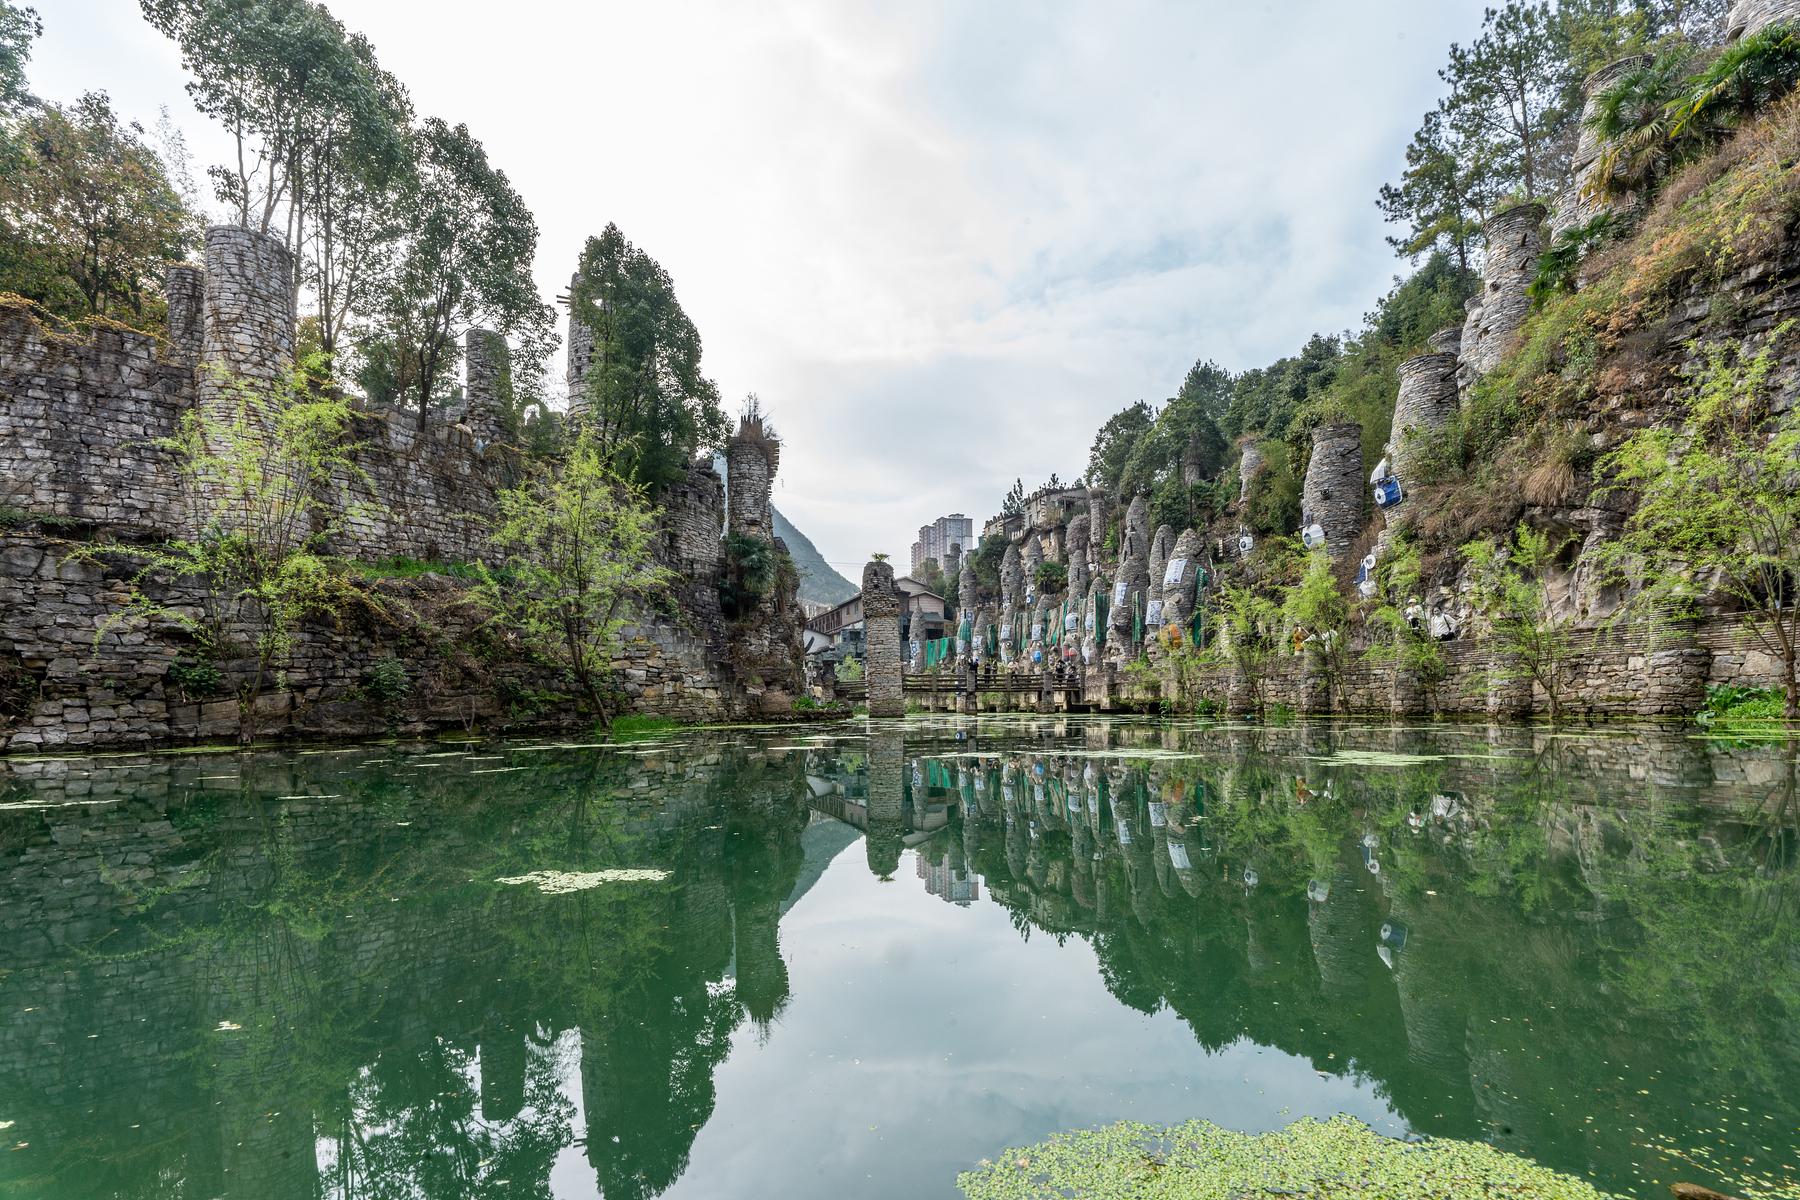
point(185, 290)
point(751, 458)
point(1178, 586)
point(1426, 404)
point(485, 356)
point(1077, 556)
point(1250, 465)
point(580, 359)
point(1750, 17)
point(1515, 239)
point(881, 629)
point(1333, 492)
point(247, 337)
point(1578, 204)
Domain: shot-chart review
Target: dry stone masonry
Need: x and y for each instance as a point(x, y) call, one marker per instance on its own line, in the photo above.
point(1333, 493)
point(1581, 202)
point(1748, 17)
point(1514, 241)
point(1426, 405)
point(84, 418)
point(881, 628)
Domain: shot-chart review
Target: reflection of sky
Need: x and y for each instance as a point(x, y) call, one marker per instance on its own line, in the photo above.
point(922, 1037)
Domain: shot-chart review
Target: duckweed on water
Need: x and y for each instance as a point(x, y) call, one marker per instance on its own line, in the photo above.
point(1320, 1159)
point(556, 883)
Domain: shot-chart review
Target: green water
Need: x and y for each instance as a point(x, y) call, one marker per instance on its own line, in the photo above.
point(877, 957)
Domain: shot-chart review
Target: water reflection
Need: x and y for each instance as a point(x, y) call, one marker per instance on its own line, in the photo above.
point(296, 975)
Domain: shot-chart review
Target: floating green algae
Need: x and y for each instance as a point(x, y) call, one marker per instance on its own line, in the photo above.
point(1316, 1159)
point(557, 883)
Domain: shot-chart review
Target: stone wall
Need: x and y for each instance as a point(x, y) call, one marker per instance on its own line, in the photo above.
point(84, 421)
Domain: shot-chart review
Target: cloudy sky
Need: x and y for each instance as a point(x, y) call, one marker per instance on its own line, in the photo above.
point(943, 242)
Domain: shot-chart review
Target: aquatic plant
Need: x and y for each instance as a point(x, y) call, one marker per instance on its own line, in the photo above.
point(1201, 1161)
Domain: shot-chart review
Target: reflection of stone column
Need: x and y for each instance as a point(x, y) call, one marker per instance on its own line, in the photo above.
point(1333, 493)
point(1342, 927)
point(881, 631)
point(1433, 996)
point(884, 837)
point(762, 975)
point(503, 1054)
point(1514, 242)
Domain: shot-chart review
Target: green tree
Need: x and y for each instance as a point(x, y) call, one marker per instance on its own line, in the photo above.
point(1512, 593)
point(466, 259)
point(285, 79)
point(1248, 625)
point(18, 27)
point(91, 218)
point(645, 402)
point(1114, 444)
point(1718, 513)
point(1442, 195)
point(578, 545)
point(1316, 606)
point(1508, 90)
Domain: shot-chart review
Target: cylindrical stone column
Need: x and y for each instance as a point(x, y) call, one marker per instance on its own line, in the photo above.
point(1749, 17)
point(881, 631)
point(1515, 239)
point(1250, 464)
point(1333, 492)
point(484, 367)
point(1579, 203)
point(1426, 404)
point(751, 461)
point(247, 338)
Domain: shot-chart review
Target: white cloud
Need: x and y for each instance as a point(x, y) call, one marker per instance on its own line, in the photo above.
point(942, 241)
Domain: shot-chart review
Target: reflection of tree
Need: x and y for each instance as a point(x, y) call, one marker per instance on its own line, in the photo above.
point(1498, 942)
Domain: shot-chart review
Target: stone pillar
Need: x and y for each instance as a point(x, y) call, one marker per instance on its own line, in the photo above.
point(1012, 581)
point(1333, 493)
point(1097, 518)
point(952, 566)
point(248, 324)
point(1427, 403)
point(1446, 341)
point(1514, 240)
point(1077, 556)
point(1748, 17)
point(186, 292)
point(751, 459)
point(1578, 204)
point(1133, 577)
point(881, 631)
point(484, 367)
point(1137, 520)
point(1160, 546)
point(580, 358)
point(967, 590)
point(1250, 464)
point(1178, 586)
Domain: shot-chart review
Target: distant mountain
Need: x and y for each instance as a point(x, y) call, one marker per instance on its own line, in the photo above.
point(819, 583)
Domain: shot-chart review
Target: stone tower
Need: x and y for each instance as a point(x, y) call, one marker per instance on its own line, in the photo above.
point(1333, 492)
point(247, 324)
point(1576, 206)
point(484, 367)
point(1427, 403)
point(881, 631)
point(1514, 240)
point(751, 460)
point(581, 357)
point(1250, 465)
point(1749, 17)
